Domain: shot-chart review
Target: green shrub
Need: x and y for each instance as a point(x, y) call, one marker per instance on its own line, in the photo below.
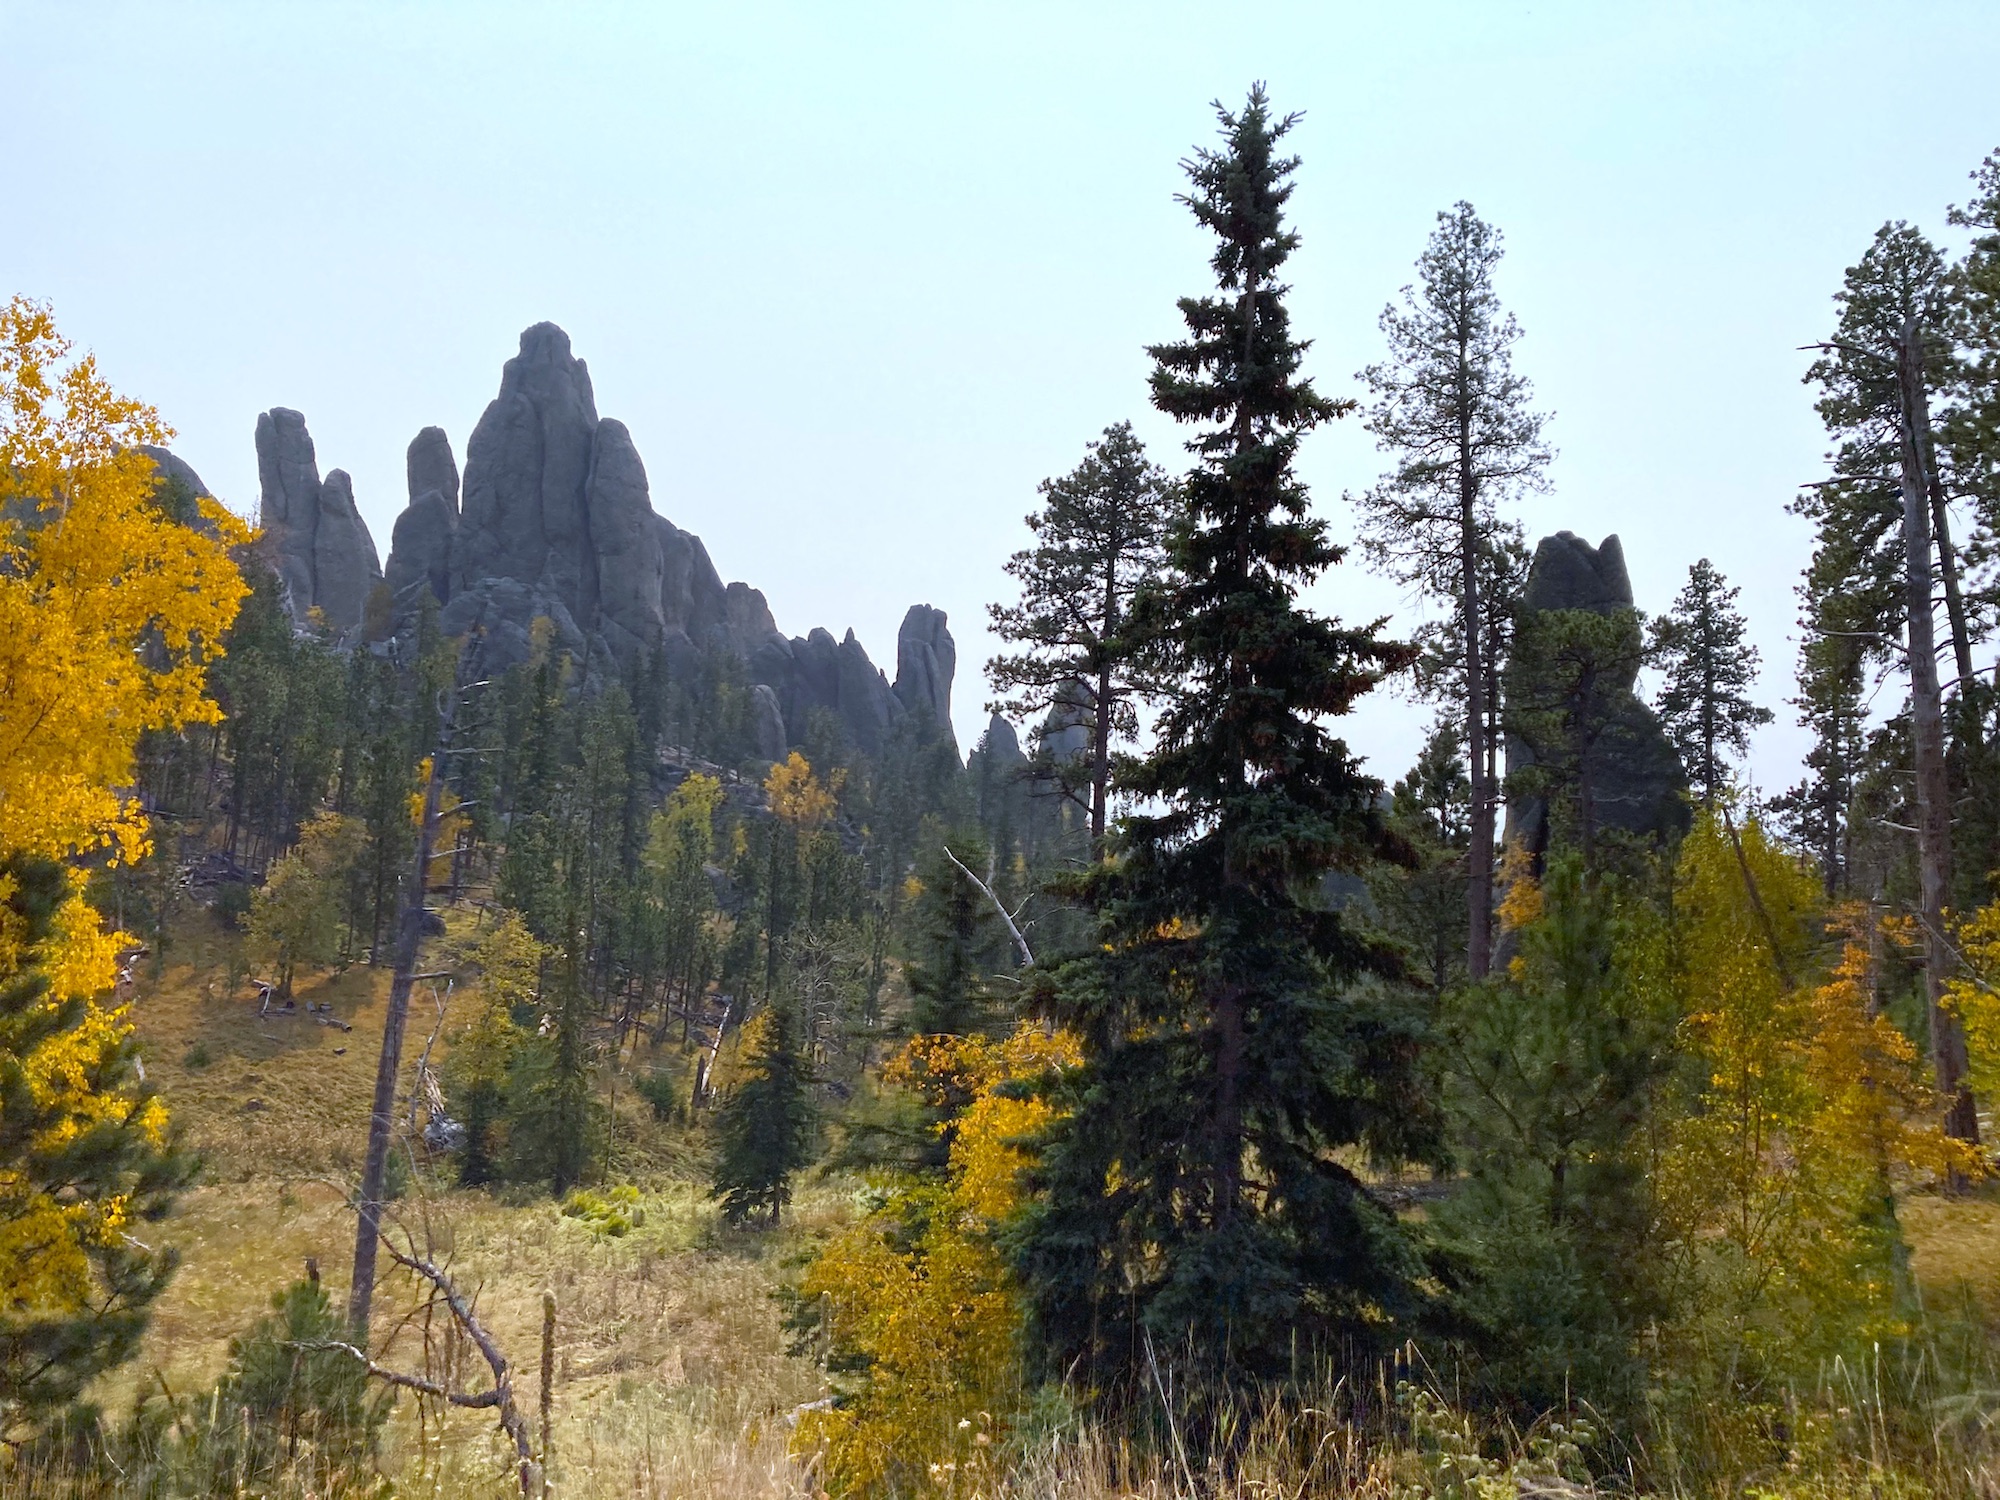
point(612, 1213)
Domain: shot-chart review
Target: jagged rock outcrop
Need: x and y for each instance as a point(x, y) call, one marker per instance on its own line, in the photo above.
point(813, 672)
point(314, 536)
point(420, 548)
point(926, 658)
point(555, 520)
point(1636, 781)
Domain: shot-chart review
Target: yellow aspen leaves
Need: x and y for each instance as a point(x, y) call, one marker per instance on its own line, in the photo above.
point(935, 1317)
point(110, 609)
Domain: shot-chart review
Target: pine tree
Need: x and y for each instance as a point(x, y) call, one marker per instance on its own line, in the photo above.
point(1706, 669)
point(765, 1133)
point(1884, 535)
point(84, 1157)
point(1450, 407)
point(1831, 680)
point(957, 938)
point(1198, 1194)
point(1423, 906)
point(1100, 539)
point(1549, 1072)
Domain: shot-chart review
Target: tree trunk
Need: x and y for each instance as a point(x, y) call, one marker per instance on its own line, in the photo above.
point(1479, 856)
point(409, 938)
point(1948, 1057)
point(1954, 595)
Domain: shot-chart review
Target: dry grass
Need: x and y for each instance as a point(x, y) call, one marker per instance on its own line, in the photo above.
point(672, 1376)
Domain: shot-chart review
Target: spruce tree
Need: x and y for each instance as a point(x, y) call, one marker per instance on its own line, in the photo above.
point(1100, 539)
point(1450, 407)
point(84, 1163)
point(765, 1133)
point(1706, 669)
point(957, 942)
point(1201, 1193)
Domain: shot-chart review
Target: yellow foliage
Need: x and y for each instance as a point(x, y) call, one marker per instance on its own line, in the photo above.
point(1521, 899)
point(1975, 995)
point(110, 610)
point(935, 1317)
point(1775, 1180)
point(797, 796)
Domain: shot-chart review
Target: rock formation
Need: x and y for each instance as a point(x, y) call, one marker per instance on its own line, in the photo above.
point(925, 661)
point(1635, 777)
point(173, 466)
point(420, 548)
point(315, 537)
point(556, 521)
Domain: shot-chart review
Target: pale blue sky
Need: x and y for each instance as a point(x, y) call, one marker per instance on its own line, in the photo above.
point(857, 277)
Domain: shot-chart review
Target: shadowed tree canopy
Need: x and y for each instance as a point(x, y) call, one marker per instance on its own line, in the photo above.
point(1198, 1195)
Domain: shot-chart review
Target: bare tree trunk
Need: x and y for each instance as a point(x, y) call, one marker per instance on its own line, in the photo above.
point(1479, 856)
point(381, 1121)
point(1954, 594)
point(1948, 1058)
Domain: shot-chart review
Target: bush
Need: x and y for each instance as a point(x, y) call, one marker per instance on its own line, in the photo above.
point(613, 1213)
point(231, 904)
point(661, 1089)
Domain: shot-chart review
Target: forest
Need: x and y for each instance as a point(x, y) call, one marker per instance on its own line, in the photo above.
point(441, 1057)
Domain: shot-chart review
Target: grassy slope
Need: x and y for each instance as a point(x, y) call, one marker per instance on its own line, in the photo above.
point(670, 1358)
point(671, 1371)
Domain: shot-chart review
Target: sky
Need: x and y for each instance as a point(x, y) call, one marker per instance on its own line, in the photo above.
point(859, 277)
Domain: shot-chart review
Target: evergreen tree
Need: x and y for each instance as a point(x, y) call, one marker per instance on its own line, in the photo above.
point(1199, 1193)
point(1450, 407)
point(1100, 539)
point(957, 943)
point(1884, 536)
point(1816, 810)
point(765, 1133)
point(83, 1159)
point(1549, 1073)
point(1706, 669)
point(1422, 905)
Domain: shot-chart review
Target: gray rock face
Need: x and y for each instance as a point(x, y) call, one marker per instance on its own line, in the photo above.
point(925, 660)
point(345, 568)
point(627, 564)
point(316, 538)
point(1637, 782)
point(526, 514)
point(172, 466)
point(431, 467)
point(767, 721)
point(420, 548)
point(1065, 733)
point(555, 520)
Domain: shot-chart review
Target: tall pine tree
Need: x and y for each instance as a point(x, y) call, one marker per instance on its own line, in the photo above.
point(1451, 409)
point(1200, 1195)
point(1099, 537)
point(1706, 669)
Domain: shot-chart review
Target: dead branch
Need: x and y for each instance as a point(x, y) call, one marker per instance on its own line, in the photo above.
point(1027, 954)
